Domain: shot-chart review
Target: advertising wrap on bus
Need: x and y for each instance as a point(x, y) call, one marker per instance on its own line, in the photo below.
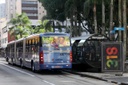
point(56, 49)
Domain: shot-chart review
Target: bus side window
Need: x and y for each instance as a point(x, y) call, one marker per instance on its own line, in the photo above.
point(37, 44)
point(26, 46)
point(26, 50)
point(29, 46)
point(40, 41)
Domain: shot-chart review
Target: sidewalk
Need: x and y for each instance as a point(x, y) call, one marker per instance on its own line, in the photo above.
point(109, 77)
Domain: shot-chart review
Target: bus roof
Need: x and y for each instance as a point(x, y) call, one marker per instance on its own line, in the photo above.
point(33, 35)
point(19, 39)
point(49, 33)
point(54, 33)
point(11, 42)
point(82, 37)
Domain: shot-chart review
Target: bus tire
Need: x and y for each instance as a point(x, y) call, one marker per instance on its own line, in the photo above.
point(12, 61)
point(33, 67)
point(21, 64)
point(6, 59)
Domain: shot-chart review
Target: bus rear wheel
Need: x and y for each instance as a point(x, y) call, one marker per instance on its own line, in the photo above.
point(21, 64)
point(33, 67)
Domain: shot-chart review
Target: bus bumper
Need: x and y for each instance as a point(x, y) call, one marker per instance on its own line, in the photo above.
point(55, 66)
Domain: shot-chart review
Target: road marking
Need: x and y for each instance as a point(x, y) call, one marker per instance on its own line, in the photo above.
point(18, 70)
point(26, 73)
point(67, 81)
point(48, 82)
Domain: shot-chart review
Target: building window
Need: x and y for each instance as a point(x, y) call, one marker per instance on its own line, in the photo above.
point(4, 30)
point(32, 14)
point(29, 8)
point(11, 15)
point(29, 2)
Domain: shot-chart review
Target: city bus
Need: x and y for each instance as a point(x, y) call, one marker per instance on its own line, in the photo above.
point(41, 51)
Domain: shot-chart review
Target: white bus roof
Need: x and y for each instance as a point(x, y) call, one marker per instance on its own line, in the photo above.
point(81, 37)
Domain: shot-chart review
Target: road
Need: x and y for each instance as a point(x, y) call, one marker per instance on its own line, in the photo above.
point(13, 75)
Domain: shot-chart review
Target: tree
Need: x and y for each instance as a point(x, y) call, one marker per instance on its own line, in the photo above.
point(73, 11)
point(85, 10)
point(55, 9)
point(119, 17)
point(103, 17)
point(45, 26)
point(91, 14)
point(95, 19)
point(125, 27)
point(111, 18)
point(21, 26)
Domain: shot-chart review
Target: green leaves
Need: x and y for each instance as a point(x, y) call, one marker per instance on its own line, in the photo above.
point(20, 26)
point(55, 9)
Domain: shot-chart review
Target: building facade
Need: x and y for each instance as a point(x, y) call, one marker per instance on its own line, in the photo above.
point(2, 10)
point(33, 9)
point(3, 33)
point(13, 7)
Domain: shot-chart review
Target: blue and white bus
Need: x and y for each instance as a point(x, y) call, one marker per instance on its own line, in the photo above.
point(41, 51)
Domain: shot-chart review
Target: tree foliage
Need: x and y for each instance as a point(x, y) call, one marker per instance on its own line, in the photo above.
point(21, 26)
point(81, 10)
point(55, 9)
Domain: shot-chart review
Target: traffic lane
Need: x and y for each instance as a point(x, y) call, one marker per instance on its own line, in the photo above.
point(12, 76)
point(58, 78)
point(65, 78)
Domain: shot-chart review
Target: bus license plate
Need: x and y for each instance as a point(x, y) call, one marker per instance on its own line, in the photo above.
point(56, 66)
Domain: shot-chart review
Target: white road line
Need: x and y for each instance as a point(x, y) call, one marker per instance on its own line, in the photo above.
point(26, 73)
point(48, 82)
point(67, 81)
point(19, 70)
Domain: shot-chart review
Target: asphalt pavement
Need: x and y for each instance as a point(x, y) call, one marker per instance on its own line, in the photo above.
point(113, 77)
point(117, 78)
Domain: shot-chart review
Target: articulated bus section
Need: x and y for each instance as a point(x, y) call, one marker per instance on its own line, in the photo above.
point(41, 51)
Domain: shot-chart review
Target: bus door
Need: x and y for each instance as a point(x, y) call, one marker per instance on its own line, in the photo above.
point(56, 49)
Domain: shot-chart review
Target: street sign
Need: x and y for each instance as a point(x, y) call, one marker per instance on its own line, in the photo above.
point(112, 57)
point(119, 28)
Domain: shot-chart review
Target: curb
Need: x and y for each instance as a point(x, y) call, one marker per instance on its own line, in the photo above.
point(95, 77)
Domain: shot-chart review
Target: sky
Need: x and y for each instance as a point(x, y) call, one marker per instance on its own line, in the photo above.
point(2, 1)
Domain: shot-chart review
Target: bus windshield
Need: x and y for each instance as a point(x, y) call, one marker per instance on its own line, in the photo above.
point(55, 42)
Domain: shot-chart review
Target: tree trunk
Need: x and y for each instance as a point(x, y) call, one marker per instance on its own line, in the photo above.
point(124, 25)
point(103, 17)
point(111, 19)
point(95, 20)
point(76, 31)
point(119, 18)
point(71, 29)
